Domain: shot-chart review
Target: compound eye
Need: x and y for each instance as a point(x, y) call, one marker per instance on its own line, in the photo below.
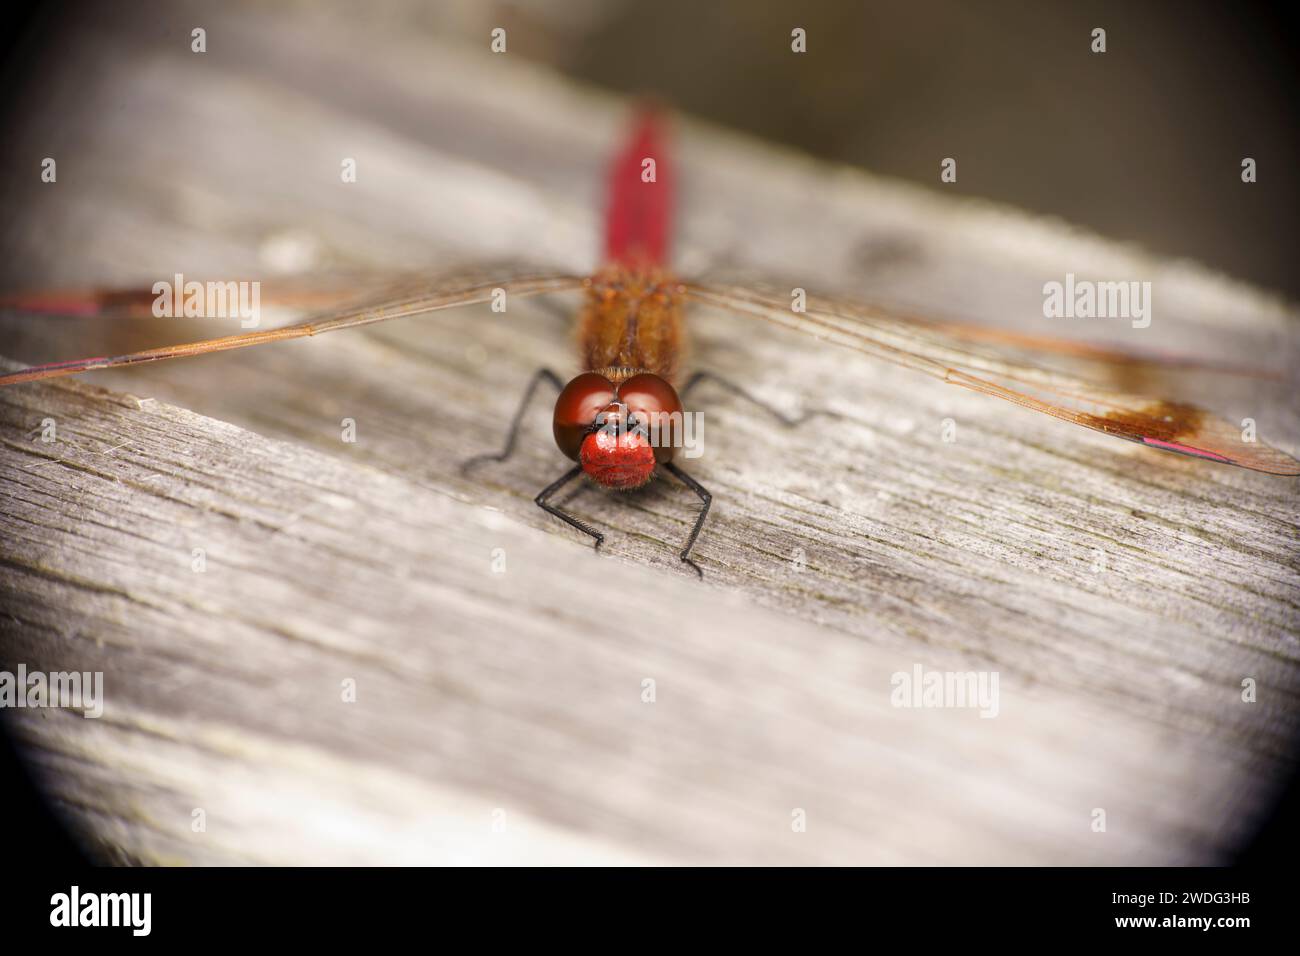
point(649, 399)
point(576, 409)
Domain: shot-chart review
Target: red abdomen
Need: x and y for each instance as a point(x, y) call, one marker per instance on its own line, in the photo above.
point(638, 221)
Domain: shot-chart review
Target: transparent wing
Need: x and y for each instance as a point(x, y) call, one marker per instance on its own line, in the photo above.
point(1103, 356)
point(375, 299)
point(937, 350)
point(314, 291)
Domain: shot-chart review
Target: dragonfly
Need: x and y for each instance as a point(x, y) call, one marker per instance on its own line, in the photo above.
point(630, 332)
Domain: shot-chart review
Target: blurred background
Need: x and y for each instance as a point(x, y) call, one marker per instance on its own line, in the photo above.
point(1143, 142)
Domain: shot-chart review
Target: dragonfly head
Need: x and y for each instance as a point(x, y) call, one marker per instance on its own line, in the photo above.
point(616, 431)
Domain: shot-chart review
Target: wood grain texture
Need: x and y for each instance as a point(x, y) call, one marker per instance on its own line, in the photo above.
point(1121, 595)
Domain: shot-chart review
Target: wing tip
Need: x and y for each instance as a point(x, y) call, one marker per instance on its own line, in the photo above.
point(1275, 463)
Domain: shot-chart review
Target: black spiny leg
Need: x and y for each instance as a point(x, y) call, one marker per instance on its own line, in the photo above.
point(543, 501)
point(786, 420)
point(542, 374)
point(705, 497)
point(776, 413)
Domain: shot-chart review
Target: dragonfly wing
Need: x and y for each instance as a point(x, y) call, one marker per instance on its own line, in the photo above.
point(402, 297)
point(1107, 357)
point(313, 292)
point(928, 348)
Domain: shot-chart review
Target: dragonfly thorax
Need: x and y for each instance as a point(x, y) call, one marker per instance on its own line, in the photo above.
point(631, 321)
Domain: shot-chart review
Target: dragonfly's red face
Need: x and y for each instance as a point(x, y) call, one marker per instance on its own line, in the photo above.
point(610, 429)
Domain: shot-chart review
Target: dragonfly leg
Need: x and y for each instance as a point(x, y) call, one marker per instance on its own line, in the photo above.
point(705, 497)
point(787, 420)
point(543, 502)
point(541, 375)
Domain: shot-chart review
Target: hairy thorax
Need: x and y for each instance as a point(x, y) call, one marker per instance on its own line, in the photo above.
point(631, 322)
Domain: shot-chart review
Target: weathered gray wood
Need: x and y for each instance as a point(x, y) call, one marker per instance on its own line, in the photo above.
point(521, 690)
point(1121, 595)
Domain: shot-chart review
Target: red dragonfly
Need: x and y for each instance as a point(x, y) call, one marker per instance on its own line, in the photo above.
point(630, 332)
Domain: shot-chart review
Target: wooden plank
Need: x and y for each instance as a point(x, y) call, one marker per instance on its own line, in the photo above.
point(519, 691)
point(1121, 596)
